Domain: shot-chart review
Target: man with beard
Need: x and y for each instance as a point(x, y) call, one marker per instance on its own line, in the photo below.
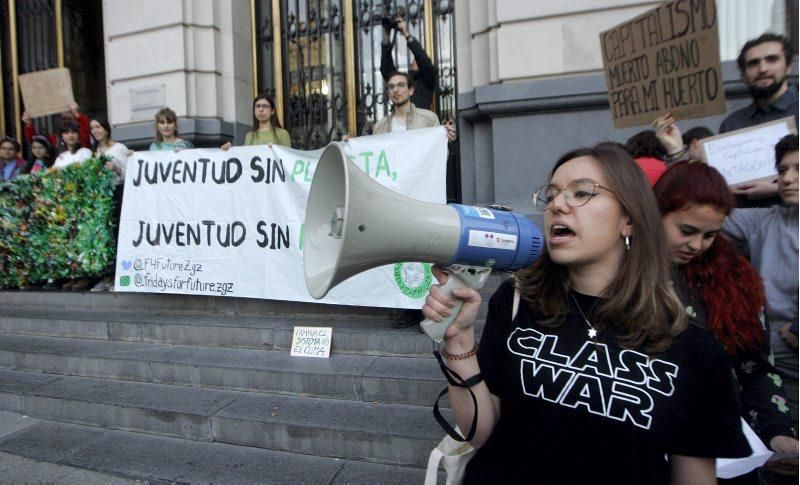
point(765, 64)
point(406, 116)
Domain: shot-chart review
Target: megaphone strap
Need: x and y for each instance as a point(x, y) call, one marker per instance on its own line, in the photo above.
point(456, 380)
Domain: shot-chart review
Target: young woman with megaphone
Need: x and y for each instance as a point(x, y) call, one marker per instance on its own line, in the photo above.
point(596, 377)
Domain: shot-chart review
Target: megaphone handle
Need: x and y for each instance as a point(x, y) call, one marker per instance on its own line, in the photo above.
point(459, 276)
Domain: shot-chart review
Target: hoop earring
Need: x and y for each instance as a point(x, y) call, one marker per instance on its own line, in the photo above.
point(628, 243)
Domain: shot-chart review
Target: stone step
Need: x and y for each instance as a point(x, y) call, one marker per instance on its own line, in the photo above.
point(185, 304)
point(352, 335)
point(159, 459)
point(192, 304)
point(395, 434)
point(367, 378)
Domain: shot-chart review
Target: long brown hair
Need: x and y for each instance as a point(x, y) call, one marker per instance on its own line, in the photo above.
point(273, 119)
point(170, 117)
point(639, 304)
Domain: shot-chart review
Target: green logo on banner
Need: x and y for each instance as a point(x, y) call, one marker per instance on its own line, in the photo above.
point(124, 281)
point(413, 279)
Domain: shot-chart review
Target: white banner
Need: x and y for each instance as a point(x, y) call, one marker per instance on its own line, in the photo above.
point(230, 223)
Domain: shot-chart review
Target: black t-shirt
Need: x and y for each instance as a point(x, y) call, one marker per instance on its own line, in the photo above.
point(574, 410)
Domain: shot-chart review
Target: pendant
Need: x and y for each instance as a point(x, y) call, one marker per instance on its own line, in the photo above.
point(592, 332)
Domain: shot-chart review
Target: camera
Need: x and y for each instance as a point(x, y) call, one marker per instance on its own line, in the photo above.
point(389, 22)
point(390, 19)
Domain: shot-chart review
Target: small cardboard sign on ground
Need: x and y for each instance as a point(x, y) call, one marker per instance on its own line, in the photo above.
point(46, 92)
point(666, 60)
point(748, 154)
point(312, 342)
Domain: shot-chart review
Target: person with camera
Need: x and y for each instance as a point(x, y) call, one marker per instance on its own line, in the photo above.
point(421, 69)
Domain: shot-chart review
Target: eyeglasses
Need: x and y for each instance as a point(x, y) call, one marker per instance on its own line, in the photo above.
point(264, 106)
point(396, 86)
point(576, 194)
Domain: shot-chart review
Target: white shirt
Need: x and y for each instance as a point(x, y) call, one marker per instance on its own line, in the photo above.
point(396, 126)
point(68, 158)
point(119, 154)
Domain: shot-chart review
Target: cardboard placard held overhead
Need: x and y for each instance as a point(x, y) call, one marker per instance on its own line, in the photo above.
point(665, 60)
point(748, 154)
point(46, 92)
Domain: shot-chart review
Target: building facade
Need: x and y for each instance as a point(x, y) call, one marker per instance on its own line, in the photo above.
point(523, 79)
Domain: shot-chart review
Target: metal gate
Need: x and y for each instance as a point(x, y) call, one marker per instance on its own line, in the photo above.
point(320, 60)
point(43, 34)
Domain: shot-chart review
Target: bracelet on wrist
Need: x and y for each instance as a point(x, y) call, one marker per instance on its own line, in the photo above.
point(674, 157)
point(466, 355)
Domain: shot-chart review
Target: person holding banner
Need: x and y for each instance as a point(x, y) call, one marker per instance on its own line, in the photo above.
point(167, 133)
point(103, 144)
point(267, 129)
point(598, 378)
point(724, 295)
point(404, 115)
point(72, 152)
point(118, 154)
point(765, 64)
point(769, 238)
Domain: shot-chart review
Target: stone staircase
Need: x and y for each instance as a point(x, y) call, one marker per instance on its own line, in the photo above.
point(201, 389)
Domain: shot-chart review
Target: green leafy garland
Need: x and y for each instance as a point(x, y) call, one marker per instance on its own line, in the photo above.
point(57, 224)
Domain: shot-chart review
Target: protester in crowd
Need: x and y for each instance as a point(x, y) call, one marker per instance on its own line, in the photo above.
point(42, 155)
point(421, 70)
point(404, 115)
point(724, 294)
point(117, 153)
point(599, 367)
point(765, 64)
point(646, 150)
point(72, 151)
point(692, 138)
point(267, 128)
point(678, 148)
point(167, 137)
point(103, 144)
point(11, 164)
point(73, 116)
point(768, 237)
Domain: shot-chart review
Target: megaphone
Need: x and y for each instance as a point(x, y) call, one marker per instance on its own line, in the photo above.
point(354, 224)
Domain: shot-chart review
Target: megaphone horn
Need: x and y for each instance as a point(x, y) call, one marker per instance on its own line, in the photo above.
point(354, 224)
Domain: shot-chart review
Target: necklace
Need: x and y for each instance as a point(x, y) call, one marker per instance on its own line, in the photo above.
point(592, 332)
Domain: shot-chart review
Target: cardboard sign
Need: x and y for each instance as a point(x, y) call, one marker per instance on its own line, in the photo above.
point(748, 154)
point(665, 60)
point(46, 92)
point(312, 342)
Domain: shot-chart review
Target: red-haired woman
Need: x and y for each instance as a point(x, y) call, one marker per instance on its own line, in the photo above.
point(723, 292)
